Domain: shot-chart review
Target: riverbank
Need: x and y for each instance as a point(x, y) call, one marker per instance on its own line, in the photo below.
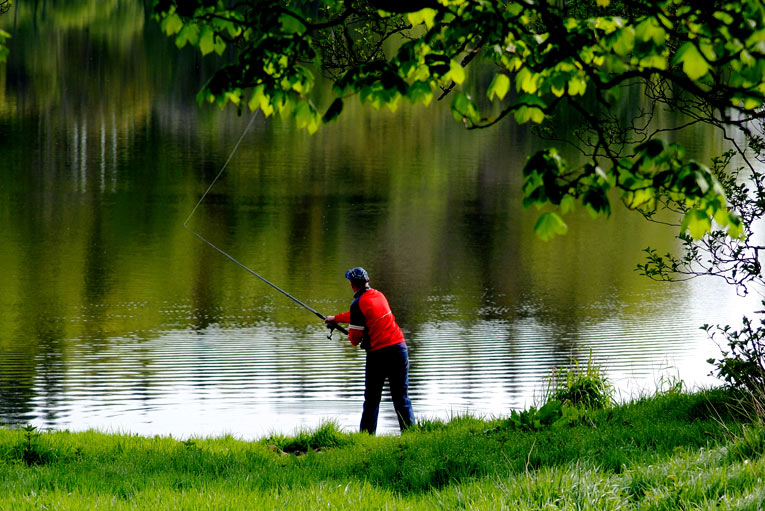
point(675, 451)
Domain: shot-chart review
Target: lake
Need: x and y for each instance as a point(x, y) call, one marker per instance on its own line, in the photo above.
point(114, 316)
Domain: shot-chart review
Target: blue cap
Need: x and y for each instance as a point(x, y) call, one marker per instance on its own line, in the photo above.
point(357, 274)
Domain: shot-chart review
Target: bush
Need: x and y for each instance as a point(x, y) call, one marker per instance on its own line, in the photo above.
point(742, 365)
point(585, 387)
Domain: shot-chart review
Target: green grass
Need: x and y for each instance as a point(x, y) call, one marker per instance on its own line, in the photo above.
point(579, 385)
point(675, 451)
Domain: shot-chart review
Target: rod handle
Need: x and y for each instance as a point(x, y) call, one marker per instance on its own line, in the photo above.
point(335, 326)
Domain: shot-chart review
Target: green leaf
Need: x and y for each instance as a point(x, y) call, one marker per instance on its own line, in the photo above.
point(426, 16)
point(558, 82)
point(567, 204)
point(550, 225)
point(420, 92)
point(735, 227)
point(708, 51)
point(206, 40)
point(576, 85)
point(724, 17)
point(291, 25)
point(694, 64)
point(653, 62)
point(219, 45)
point(259, 99)
point(526, 81)
point(536, 115)
point(188, 34)
point(205, 96)
point(393, 101)
point(333, 111)
point(462, 108)
point(530, 100)
point(757, 37)
point(499, 86)
point(596, 202)
point(644, 198)
point(222, 25)
point(4, 51)
point(529, 107)
point(313, 124)
point(522, 115)
point(171, 24)
point(722, 217)
point(752, 103)
point(456, 72)
point(625, 41)
point(696, 222)
point(303, 114)
point(234, 96)
point(650, 30)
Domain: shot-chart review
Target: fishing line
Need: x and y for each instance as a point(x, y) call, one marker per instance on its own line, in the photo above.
point(236, 147)
point(232, 258)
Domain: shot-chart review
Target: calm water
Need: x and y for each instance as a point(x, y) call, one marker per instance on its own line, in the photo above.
point(113, 316)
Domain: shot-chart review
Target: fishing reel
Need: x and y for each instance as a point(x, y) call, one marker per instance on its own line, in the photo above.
point(334, 326)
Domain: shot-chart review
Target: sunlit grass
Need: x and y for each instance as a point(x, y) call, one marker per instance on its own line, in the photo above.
point(674, 451)
point(580, 385)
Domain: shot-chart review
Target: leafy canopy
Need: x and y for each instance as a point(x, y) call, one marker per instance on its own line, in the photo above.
point(704, 57)
point(5, 6)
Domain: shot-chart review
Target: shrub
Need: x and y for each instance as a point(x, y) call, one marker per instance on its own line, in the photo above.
point(578, 386)
point(742, 365)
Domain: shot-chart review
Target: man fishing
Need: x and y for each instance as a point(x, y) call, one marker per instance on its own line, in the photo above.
point(373, 326)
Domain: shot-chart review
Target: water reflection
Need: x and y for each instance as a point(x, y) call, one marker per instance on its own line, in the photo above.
point(113, 316)
point(256, 380)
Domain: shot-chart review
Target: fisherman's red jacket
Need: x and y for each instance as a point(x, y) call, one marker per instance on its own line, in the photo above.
point(370, 316)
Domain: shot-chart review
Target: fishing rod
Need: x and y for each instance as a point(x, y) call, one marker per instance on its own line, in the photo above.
point(333, 326)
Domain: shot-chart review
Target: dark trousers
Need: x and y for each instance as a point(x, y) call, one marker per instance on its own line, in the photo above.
point(391, 363)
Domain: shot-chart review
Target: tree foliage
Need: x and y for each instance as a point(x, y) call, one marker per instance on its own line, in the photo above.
point(704, 60)
point(546, 56)
point(5, 6)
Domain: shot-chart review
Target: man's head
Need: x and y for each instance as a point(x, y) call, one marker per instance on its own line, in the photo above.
point(358, 277)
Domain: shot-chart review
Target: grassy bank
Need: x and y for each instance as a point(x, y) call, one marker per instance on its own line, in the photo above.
point(678, 451)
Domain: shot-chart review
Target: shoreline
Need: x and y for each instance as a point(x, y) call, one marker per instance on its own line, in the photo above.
point(699, 438)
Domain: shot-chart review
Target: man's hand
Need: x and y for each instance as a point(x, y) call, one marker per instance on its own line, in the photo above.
point(330, 322)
